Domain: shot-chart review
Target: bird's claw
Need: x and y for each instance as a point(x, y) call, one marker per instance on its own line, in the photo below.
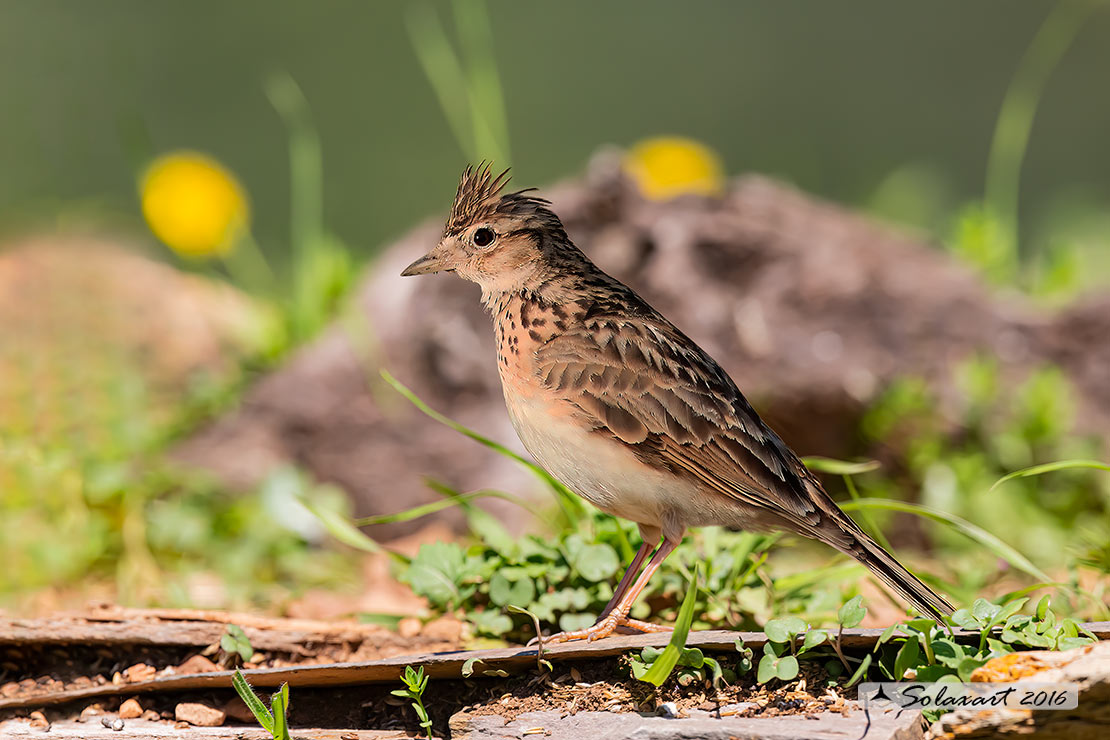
point(601, 630)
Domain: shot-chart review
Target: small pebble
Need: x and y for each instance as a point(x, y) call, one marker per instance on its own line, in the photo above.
point(198, 714)
point(112, 723)
point(39, 721)
point(667, 709)
point(131, 709)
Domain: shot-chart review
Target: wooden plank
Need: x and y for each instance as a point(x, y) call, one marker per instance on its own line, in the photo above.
point(445, 665)
point(182, 628)
point(136, 729)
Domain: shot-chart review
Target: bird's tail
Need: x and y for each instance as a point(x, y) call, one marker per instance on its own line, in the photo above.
point(880, 562)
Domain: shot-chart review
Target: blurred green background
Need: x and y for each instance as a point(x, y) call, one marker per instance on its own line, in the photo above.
point(855, 101)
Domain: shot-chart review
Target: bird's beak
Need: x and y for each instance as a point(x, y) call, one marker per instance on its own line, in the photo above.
point(429, 263)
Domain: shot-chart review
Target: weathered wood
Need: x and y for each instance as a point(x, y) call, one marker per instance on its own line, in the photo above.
point(442, 665)
point(144, 730)
point(182, 628)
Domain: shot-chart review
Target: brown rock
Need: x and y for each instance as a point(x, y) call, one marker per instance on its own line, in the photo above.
point(197, 664)
point(151, 716)
point(198, 714)
point(445, 629)
point(1086, 668)
point(92, 710)
point(130, 709)
point(1016, 666)
point(237, 710)
point(409, 627)
point(139, 672)
point(39, 721)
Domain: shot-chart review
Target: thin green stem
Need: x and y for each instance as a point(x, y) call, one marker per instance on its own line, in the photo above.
point(1019, 108)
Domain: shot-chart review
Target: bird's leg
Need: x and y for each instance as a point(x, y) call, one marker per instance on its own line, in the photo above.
point(622, 588)
point(618, 616)
point(626, 580)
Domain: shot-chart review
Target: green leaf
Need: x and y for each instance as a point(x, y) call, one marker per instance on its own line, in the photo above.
point(258, 709)
point(984, 611)
point(783, 629)
point(1049, 468)
point(787, 668)
point(964, 527)
point(503, 592)
point(861, 671)
point(570, 622)
point(1042, 607)
point(906, 658)
point(967, 666)
point(840, 467)
point(490, 622)
point(965, 619)
point(851, 614)
point(437, 572)
point(886, 634)
point(768, 666)
point(662, 667)
point(279, 707)
point(814, 638)
point(594, 562)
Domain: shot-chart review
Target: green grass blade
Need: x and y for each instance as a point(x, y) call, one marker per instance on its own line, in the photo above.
point(1050, 468)
point(966, 528)
point(840, 467)
point(487, 102)
point(258, 709)
point(456, 499)
point(666, 662)
point(1019, 109)
point(344, 530)
point(572, 506)
point(444, 71)
point(279, 706)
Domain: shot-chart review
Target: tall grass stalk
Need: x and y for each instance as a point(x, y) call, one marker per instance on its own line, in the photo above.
point(1019, 108)
point(469, 88)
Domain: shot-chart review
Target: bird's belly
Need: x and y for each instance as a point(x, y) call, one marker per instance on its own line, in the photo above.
point(605, 472)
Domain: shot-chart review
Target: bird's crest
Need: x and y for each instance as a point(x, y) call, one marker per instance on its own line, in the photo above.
point(479, 197)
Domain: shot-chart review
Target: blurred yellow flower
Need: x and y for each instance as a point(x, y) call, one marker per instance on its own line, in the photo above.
point(194, 204)
point(669, 166)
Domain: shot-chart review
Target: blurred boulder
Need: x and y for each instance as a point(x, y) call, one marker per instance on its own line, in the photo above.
point(812, 309)
point(92, 329)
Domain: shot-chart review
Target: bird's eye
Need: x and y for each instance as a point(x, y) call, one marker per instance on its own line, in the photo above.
point(483, 237)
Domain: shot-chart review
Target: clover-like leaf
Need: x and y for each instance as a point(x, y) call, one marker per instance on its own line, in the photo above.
point(436, 573)
point(783, 629)
point(813, 638)
point(503, 591)
point(851, 614)
point(906, 658)
point(768, 667)
point(787, 668)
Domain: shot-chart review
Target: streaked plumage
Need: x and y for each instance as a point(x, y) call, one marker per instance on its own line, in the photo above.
point(621, 406)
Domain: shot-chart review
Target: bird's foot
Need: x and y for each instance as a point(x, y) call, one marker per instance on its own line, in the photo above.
point(605, 627)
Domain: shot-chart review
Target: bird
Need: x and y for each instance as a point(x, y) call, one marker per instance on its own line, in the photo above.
point(623, 408)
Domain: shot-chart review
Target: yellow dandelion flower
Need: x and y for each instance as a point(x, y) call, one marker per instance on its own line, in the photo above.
point(194, 204)
point(669, 166)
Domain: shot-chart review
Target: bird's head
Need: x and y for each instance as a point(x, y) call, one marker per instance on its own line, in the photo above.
point(502, 241)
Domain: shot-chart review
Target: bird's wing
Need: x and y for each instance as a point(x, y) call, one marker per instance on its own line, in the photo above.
point(646, 384)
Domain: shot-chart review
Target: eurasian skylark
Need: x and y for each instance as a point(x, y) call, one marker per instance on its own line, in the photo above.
point(625, 409)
